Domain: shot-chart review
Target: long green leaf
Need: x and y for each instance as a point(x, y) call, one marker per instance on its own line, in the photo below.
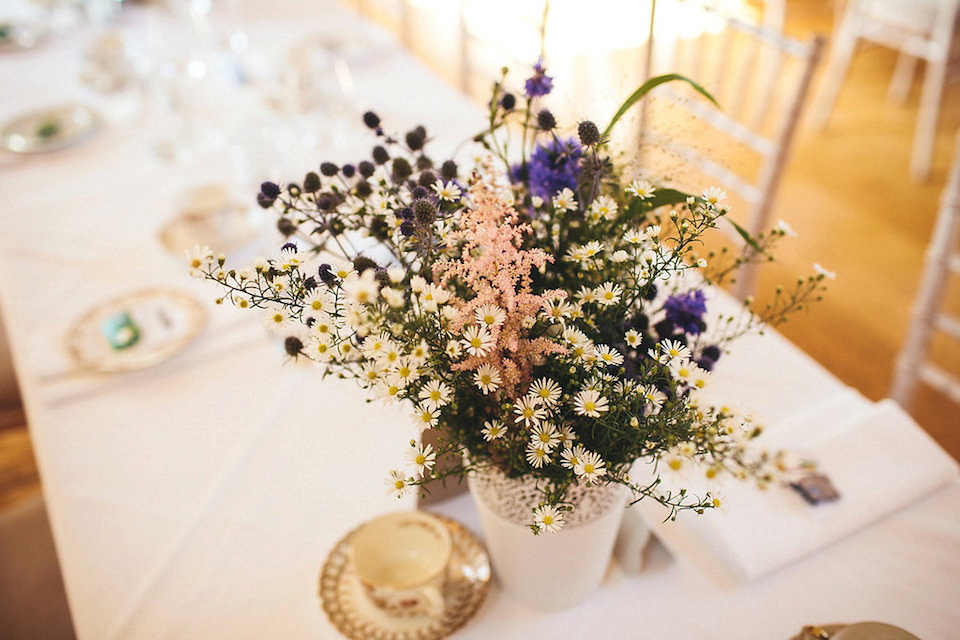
point(749, 239)
point(648, 86)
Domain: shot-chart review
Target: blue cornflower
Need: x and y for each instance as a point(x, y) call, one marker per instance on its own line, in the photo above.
point(686, 311)
point(552, 168)
point(539, 84)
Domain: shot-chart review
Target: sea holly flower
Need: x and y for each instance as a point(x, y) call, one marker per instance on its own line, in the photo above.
point(539, 84)
point(552, 168)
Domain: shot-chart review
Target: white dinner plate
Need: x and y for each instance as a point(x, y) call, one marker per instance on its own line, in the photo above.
point(135, 331)
point(49, 129)
point(19, 36)
point(211, 216)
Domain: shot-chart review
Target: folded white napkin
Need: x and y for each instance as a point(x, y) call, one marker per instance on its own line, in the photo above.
point(879, 462)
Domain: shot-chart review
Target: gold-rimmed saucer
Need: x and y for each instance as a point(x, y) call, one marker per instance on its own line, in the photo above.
point(351, 612)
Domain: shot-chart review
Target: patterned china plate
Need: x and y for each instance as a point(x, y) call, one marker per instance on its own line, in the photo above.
point(356, 617)
point(162, 321)
point(49, 129)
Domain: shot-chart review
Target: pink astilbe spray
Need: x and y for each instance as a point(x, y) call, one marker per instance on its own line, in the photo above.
point(496, 269)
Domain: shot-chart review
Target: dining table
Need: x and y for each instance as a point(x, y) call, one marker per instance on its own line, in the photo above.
point(197, 494)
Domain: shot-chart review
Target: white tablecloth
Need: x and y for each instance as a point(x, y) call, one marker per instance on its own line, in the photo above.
point(198, 499)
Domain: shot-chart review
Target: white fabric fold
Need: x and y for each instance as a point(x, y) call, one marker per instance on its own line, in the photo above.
point(879, 462)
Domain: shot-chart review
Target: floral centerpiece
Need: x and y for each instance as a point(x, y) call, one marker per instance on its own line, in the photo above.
point(543, 312)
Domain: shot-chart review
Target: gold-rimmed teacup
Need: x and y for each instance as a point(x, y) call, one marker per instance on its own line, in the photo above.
point(401, 559)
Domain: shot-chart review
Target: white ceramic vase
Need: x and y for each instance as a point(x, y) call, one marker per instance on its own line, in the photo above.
point(550, 570)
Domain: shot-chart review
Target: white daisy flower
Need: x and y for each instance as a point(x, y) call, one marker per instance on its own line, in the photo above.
point(590, 466)
point(419, 353)
point(586, 295)
point(490, 315)
point(528, 411)
point(417, 284)
point(829, 275)
point(319, 348)
point(633, 337)
point(546, 391)
point(375, 345)
point(432, 297)
point(557, 310)
point(406, 370)
point(546, 435)
point(423, 457)
point(564, 200)
point(425, 417)
point(634, 236)
point(641, 188)
point(343, 270)
point(608, 293)
point(371, 372)
point(487, 378)
point(603, 207)
point(566, 437)
point(398, 483)
point(396, 274)
point(609, 355)
point(453, 349)
point(493, 429)
point(571, 456)
point(714, 195)
point(653, 399)
point(346, 350)
point(537, 455)
point(592, 249)
point(673, 351)
point(393, 297)
point(319, 300)
point(390, 388)
point(590, 403)
point(548, 518)
point(477, 340)
point(785, 229)
point(446, 190)
point(363, 289)
point(278, 320)
point(200, 258)
point(436, 393)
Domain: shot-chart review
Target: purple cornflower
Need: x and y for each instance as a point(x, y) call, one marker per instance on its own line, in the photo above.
point(539, 84)
point(686, 311)
point(552, 167)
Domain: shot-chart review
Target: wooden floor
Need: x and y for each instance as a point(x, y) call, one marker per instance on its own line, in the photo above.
point(848, 194)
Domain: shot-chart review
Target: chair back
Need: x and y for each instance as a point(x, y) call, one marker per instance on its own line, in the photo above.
point(760, 79)
point(931, 352)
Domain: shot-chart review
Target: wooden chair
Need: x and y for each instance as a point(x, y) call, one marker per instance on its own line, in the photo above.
point(760, 79)
point(929, 317)
point(919, 30)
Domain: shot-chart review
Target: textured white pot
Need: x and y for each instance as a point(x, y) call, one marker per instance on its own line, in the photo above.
point(550, 570)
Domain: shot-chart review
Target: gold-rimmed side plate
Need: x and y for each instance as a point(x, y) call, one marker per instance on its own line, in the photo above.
point(165, 321)
point(349, 610)
point(49, 129)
